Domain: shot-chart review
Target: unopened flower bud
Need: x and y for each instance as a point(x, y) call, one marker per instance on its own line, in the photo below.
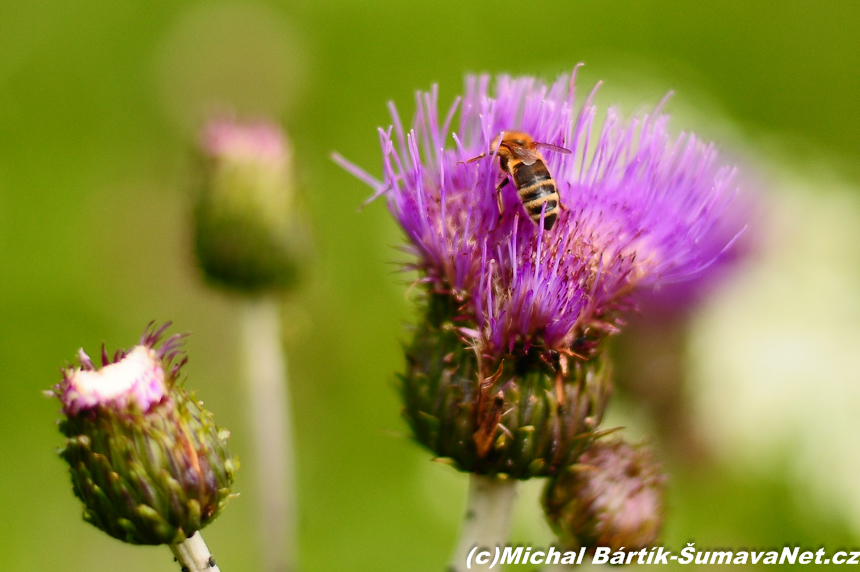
point(145, 458)
point(612, 497)
point(246, 232)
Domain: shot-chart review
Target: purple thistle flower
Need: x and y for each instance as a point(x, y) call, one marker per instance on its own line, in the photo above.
point(637, 206)
point(680, 298)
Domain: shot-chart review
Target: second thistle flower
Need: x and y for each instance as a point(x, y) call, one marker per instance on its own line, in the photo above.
point(145, 458)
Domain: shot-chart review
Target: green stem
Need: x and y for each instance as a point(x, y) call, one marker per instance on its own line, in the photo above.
point(193, 555)
point(487, 520)
point(266, 370)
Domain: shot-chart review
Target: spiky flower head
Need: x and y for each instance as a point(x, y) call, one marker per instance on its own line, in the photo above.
point(638, 206)
point(526, 298)
point(612, 497)
point(145, 458)
point(730, 245)
point(247, 235)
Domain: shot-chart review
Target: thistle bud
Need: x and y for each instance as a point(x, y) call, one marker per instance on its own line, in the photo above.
point(246, 235)
point(528, 418)
point(145, 458)
point(612, 497)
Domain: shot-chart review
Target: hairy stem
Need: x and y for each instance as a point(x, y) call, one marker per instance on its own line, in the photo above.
point(193, 555)
point(487, 519)
point(266, 371)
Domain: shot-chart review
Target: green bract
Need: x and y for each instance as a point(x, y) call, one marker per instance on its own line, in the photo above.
point(513, 421)
point(152, 478)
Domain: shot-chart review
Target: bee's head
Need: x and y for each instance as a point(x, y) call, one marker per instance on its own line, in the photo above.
point(512, 139)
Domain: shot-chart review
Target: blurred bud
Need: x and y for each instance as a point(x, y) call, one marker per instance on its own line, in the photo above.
point(520, 416)
point(612, 497)
point(246, 233)
point(147, 461)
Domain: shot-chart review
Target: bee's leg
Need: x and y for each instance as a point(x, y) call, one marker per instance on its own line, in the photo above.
point(473, 159)
point(499, 188)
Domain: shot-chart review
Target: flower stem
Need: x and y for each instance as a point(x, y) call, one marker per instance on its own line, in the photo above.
point(487, 520)
point(193, 555)
point(266, 370)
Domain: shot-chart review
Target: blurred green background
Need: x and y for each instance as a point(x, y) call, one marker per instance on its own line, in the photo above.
point(99, 103)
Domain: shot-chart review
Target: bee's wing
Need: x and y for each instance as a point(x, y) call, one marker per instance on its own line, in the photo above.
point(552, 147)
point(527, 156)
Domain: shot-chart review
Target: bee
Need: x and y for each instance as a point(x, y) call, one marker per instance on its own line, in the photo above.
point(521, 162)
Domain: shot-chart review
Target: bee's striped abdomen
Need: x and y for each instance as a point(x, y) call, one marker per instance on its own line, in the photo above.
point(535, 188)
point(528, 175)
point(519, 157)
